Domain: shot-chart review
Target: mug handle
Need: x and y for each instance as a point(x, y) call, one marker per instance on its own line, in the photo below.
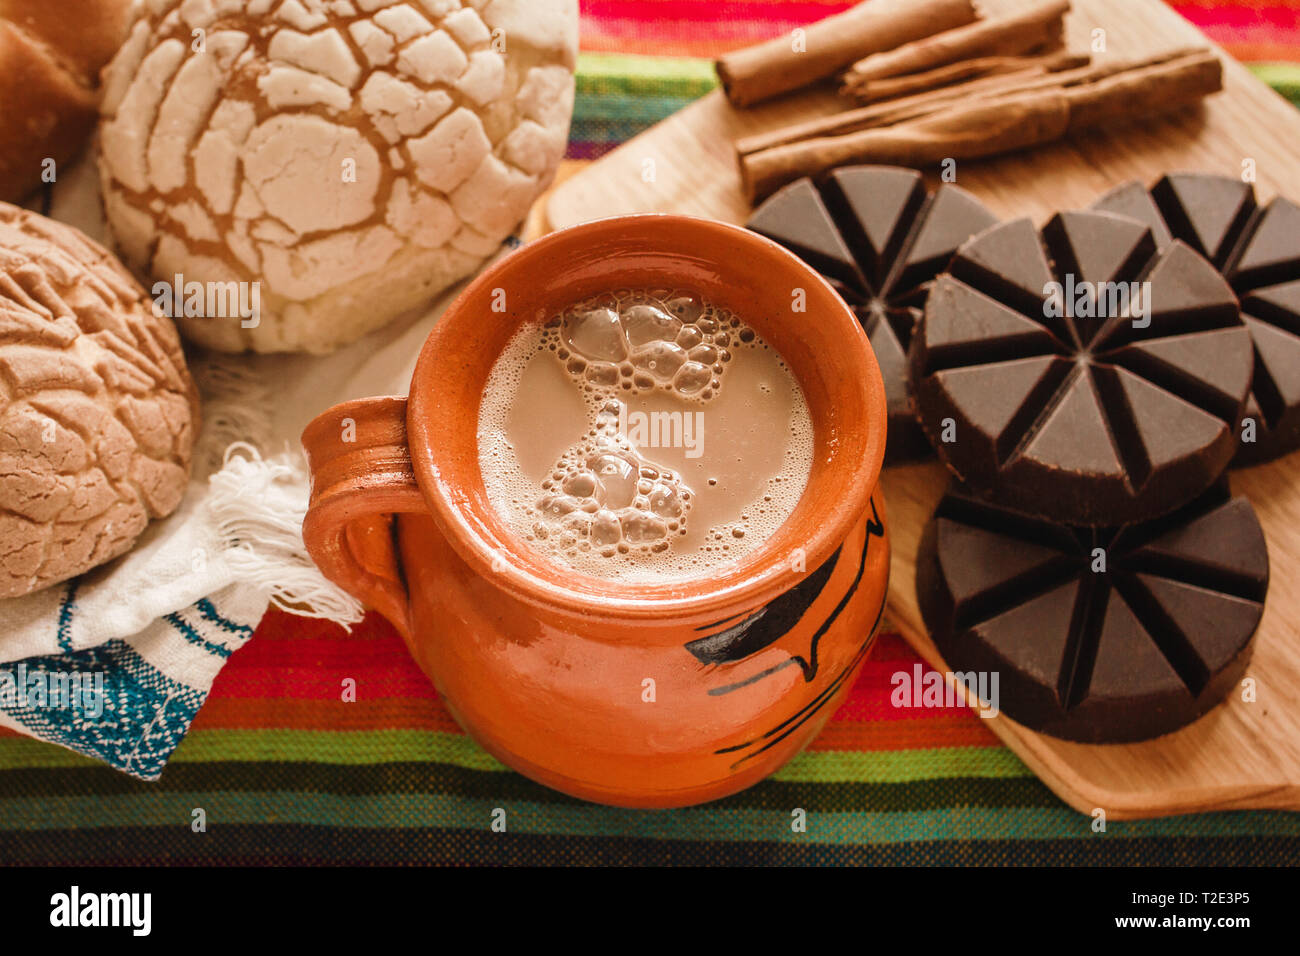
point(361, 476)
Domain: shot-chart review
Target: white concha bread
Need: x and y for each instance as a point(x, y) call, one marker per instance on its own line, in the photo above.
point(98, 412)
point(50, 58)
point(355, 157)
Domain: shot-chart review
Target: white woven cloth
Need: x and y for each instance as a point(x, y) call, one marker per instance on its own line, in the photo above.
point(116, 663)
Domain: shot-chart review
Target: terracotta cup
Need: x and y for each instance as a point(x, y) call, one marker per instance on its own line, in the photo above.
point(641, 695)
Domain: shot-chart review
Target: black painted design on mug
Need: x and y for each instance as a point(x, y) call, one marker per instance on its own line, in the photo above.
point(874, 528)
point(765, 626)
point(769, 739)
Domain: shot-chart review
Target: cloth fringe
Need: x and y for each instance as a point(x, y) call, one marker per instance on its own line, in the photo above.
point(258, 504)
point(237, 404)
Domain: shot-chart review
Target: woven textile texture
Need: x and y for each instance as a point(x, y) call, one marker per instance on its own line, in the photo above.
point(288, 773)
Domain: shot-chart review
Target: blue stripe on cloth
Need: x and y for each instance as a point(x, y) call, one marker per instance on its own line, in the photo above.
point(129, 714)
point(187, 631)
point(210, 613)
point(66, 608)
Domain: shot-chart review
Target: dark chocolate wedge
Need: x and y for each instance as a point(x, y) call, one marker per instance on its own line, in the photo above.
point(1097, 635)
point(797, 218)
point(880, 238)
point(1079, 373)
point(1258, 250)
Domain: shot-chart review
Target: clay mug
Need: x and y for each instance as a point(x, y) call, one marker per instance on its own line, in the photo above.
point(634, 694)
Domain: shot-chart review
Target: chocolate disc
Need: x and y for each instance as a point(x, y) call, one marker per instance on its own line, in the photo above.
point(1080, 374)
point(880, 239)
point(1258, 250)
point(1096, 635)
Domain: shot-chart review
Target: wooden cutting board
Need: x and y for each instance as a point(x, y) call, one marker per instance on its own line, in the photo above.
point(1241, 754)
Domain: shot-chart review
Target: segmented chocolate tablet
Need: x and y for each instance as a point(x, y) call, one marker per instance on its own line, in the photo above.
point(879, 238)
point(1258, 250)
point(1096, 635)
point(1080, 374)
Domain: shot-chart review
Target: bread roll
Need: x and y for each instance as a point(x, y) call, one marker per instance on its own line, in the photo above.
point(98, 412)
point(343, 160)
point(50, 58)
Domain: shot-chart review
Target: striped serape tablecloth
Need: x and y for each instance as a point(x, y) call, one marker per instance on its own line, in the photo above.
point(287, 772)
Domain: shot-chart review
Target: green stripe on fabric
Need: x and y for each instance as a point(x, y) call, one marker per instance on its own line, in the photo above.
point(620, 96)
point(416, 811)
point(351, 748)
point(333, 747)
point(898, 766)
point(427, 777)
point(1283, 77)
point(630, 92)
point(613, 119)
point(638, 75)
point(691, 77)
point(20, 752)
point(355, 748)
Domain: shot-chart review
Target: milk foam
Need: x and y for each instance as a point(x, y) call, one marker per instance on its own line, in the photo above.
point(607, 507)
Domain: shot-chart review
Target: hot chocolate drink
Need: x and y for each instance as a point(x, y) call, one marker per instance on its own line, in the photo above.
point(643, 435)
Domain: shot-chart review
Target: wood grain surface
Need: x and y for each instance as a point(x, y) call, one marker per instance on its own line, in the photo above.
point(1241, 754)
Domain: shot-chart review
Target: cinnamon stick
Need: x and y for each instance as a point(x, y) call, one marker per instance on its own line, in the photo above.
point(924, 104)
point(889, 88)
point(781, 64)
point(969, 133)
point(896, 111)
point(1039, 26)
point(996, 124)
point(1150, 88)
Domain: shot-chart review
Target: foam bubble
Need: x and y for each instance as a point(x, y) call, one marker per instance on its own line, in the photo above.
point(607, 508)
point(648, 340)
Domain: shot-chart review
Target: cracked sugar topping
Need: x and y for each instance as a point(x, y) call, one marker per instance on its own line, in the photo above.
point(98, 413)
point(353, 157)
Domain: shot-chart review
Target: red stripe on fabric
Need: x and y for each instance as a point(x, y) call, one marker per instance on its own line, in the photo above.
point(297, 657)
point(664, 16)
point(298, 672)
point(842, 733)
point(848, 735)
point(321, 650)
point(890, 646)
point(698, 28)
point(287, 657)
point(386, 713)
point(691, 28)
point(310, 680)
point(303, 683)
point(711, 11)
point(706, 45)
point(1268, 16)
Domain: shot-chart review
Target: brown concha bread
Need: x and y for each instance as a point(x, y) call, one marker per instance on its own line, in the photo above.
point(98, 413)
point(50, 57)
